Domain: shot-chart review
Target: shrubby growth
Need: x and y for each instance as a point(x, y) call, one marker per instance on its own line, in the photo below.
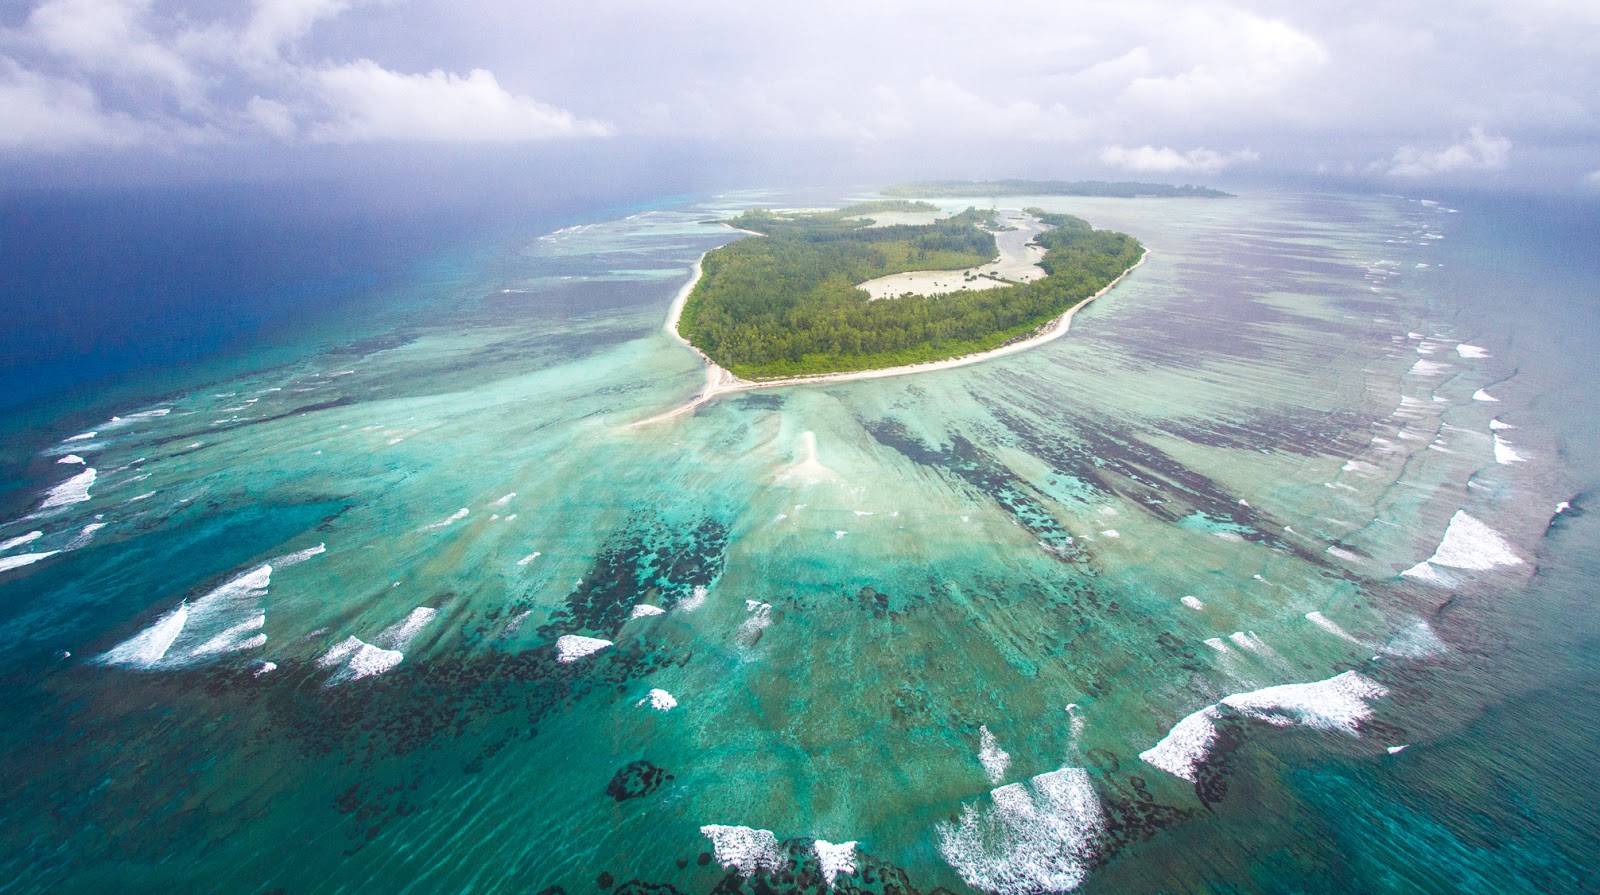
point(787, 304)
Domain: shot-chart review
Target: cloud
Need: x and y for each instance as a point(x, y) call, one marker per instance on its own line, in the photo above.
point(1170, 161)
point(40, 110)
point(108, 36)
point(277, 22)
point(371, 103)
point(1241, 59)
point(1478, 152)
point(1592, 179)
point(115, 73)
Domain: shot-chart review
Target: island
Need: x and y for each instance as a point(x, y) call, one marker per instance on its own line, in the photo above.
point(944, 189)
point(887, 288)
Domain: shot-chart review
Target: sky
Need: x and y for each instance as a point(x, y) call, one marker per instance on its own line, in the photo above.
point(1474, 92)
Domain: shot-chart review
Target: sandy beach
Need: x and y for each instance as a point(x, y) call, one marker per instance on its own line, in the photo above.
point(720, 381)
point(1018, 263)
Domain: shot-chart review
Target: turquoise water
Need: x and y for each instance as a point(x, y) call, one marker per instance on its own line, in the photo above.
point(1125, 612)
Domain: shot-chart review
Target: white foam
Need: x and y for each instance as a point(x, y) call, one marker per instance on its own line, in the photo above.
point(1193, 603)
point(1036, 837)
point(455, 517)
point(1185, 747)
point(1329, 625)
point(72, 460)
point(660, 700)
point(693, 601)
point(1217, 643)
point(1415, 641)
point(760, 617)
point(1247, 640)
point(529, 558)
point(643, 609)
point(359, 658)
point(1338, 703)
point(1483, 395)
point(1340, 553)
point(1504, 453)
point(1111, 533)
point(7, 563)
point(266, 668)
point(298, 557)
point(995, 760)
point(85, 535)
point(19, 540)
point(245, 635)
point(136, 417)
point(399, 635)
point(572, 647)
point(81, 437)
point(1496, 425)
point(191, 632)
point(1425, 572)
point(1473, 351)
point(369, 660)
point(504, 500)
point(835, 859)
point(71, 491)
point(148, 647)
point(1393, 750)
point(1428, 368)
point(750, 851)
point(1467, 544)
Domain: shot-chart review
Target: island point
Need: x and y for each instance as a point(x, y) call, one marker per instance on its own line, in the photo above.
point(886, 288)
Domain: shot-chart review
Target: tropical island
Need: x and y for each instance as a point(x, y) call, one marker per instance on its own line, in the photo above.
point(888, 287)
point(790, 304)
point(944, 189)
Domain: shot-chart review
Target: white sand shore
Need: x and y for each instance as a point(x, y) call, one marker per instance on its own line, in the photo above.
point(1018, 262)
point(720, 381)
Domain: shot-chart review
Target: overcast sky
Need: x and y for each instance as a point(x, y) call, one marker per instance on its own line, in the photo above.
point(1430, 91)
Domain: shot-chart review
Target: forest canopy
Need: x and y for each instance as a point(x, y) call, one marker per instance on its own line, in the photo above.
point(787, 304)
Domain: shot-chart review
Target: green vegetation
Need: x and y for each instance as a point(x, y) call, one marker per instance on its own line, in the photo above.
point(943, 189)
point(786, 304)
point(881, 206)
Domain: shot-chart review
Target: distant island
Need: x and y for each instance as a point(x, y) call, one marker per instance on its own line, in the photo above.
point(789, 306)
point(944, 189)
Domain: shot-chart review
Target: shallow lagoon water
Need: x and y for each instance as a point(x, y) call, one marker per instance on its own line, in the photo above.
point(390, 608)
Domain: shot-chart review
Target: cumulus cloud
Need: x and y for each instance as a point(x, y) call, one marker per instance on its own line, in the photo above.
point(172, 78)
point(38, 109)
point(373, 103)
point(1167, 160)
point(108, 36)
point(1478, 152)
point(1242, 58)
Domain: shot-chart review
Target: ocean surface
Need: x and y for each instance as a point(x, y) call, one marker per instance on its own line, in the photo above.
point(331, 561)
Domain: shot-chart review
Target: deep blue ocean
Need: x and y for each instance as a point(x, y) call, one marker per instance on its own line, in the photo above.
point(363, 469)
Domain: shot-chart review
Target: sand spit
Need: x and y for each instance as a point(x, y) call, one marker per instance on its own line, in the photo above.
point(720, 381)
